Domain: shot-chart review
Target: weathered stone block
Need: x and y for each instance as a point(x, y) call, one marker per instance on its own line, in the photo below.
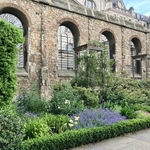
point(113, 19)
point(77, 9)
point(60, 4)
point(129, 24)
point(100, 15)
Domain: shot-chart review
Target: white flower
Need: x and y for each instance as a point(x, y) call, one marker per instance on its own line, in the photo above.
point(76, 118)
point(67, 102)
point(71, 121)
point(58, 107)
point(75, 122)
point(70, 124)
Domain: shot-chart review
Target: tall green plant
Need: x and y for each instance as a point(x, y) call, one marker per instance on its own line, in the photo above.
point(29, 100)
point(65, 100)
point(93, 68)
point(10, 37)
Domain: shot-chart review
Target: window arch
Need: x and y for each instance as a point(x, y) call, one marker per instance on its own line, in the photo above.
point(65, 48)
point(90, 4)
point(68, 38)
point(16, 22)
point(107, 38)
point(135, 50)
point(17, 18)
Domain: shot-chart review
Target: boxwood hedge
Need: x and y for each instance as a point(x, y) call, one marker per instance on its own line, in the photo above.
point(74, 138)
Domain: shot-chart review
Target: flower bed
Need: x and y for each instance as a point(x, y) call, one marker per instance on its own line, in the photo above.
point(80, 137)
point(94, 117)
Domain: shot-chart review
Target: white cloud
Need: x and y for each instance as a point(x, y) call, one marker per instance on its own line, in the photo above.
point(142, 7)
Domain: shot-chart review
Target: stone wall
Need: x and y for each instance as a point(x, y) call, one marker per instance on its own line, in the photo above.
point(43, 17)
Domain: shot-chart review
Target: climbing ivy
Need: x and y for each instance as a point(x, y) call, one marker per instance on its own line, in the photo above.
point(10, 37)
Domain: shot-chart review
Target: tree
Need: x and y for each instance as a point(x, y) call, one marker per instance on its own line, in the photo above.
point(94, 69)
point(10, 37)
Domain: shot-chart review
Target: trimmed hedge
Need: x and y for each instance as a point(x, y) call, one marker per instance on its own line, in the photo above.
point(11, 130)
point(10, 37)
point(74, 138)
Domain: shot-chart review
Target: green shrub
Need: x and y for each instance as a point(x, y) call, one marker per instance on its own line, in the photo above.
point(57, 124)
point(128, 112)
point(74, 138)
point(29, 100)
point(136, 96)
point(142, 107)
point(11, 130)
point(116, 95)
point(123, 90)
point(112, 105)
point(36, 127)
point(141, 115)
point(47, 124)
point(65, 100)
point(90, 98)
point(10, 37)
point(93, 68)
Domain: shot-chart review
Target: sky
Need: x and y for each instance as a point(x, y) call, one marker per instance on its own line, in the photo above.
point(140, 6)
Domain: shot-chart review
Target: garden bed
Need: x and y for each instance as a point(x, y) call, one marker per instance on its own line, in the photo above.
point(74, 138)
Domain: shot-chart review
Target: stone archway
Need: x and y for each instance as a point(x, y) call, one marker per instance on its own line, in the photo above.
point(107, 38)
point(16, 16)
point(68, 38)
point(135, 50)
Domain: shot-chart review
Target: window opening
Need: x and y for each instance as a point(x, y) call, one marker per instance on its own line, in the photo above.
point(65, 49)
point(111, 47)
point(90, 4)
point(16, 22)
point(135, 65)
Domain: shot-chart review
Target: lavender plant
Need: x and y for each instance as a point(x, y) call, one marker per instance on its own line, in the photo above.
point(94, 117)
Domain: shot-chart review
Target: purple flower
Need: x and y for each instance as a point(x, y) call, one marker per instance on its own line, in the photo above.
point(96, 117)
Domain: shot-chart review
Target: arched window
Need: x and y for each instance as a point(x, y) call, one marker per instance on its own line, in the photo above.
point(135, 50)
point(108, 39)
point(18, 19)
point(16, 22)
point(69, 47)
point(65, 49)
point(90, 4)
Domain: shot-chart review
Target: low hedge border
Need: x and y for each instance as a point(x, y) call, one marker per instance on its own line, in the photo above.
point(74, 138)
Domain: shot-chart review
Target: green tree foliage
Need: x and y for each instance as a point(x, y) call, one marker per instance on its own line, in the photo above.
point(11, 130)
point(93, 68)
point(10, 37)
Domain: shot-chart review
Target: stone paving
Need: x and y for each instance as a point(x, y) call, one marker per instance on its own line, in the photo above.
point(133, 141)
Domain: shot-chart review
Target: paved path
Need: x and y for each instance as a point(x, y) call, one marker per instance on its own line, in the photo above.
point(133, 141)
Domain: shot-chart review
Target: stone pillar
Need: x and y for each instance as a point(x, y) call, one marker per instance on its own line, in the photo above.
point(45, 84)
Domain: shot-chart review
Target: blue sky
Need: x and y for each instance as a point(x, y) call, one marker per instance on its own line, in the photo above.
point(140, 6)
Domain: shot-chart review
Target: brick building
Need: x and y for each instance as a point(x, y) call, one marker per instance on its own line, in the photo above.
point(52, 28)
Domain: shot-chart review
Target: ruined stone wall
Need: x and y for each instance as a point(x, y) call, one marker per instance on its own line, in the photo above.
point(43, 22)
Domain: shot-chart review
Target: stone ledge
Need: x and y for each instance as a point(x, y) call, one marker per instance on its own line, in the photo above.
point(77, 9)
point(66, 73)
point(60, 4)
point(100, 15)
point(21, 72)
point(139, 27)
point(113, 19)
